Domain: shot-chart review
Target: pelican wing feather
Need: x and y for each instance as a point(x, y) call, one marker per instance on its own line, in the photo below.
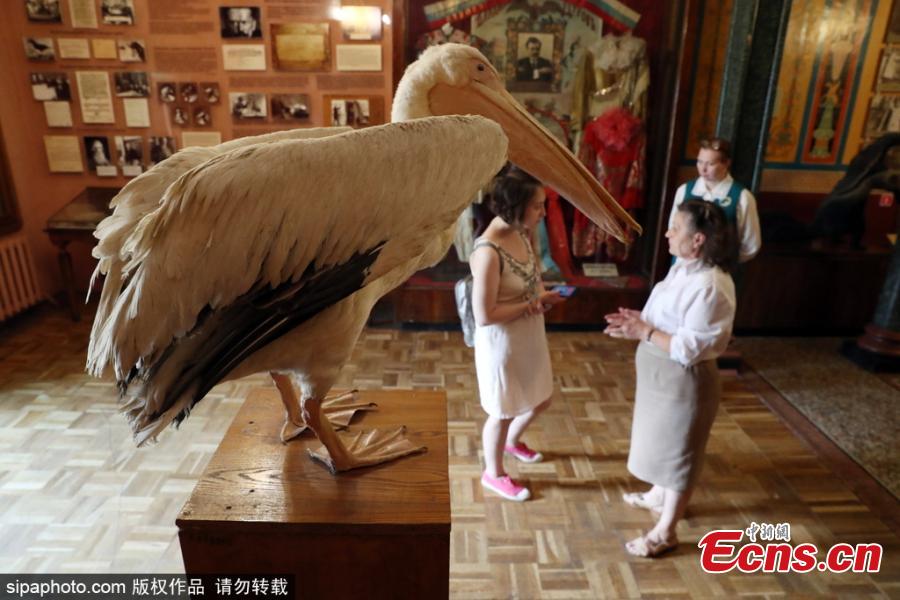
point(143, 194)
point(266, 214)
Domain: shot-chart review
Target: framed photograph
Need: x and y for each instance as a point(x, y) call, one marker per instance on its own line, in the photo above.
point(889, 70)
point(361, 23)
point(50, 86)
point(533, 57)
point(210, 92)
point(117, 12)
point(166, 92)
point(181, 115)
point(240, 21)
point(96, 149)
point(248, 106)
point(131, 84)
point(130, 149)
point(883, 117)
point(161, 148)
point(301, 46)
point(202, 116)
point(132, 50)
point(353, 111)
point(188, 92)
point(40, 49)
point(44, 11)
point(290, 107)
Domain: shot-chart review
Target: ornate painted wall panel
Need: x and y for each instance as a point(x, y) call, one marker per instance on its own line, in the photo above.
point(802, 39)
point(707, 79)
point(818, 82)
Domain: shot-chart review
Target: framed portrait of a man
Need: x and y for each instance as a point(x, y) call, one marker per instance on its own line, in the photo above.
point(240, 22)
point(533, 56)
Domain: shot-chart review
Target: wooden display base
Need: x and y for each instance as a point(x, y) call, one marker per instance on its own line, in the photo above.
point(267, 508)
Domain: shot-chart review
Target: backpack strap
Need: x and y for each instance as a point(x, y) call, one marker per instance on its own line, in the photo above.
point(481, 242)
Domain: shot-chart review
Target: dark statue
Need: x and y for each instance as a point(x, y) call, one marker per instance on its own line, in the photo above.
point(843, 211)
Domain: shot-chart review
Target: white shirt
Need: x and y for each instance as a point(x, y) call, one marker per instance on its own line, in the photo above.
point(694, 304)
point(747, 217)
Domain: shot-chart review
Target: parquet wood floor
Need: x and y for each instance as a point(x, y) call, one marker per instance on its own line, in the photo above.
point(76, 496)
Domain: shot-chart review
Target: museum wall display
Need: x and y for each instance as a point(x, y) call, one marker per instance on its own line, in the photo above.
point(98, 91)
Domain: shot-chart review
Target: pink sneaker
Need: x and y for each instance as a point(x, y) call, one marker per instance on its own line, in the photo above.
point(524, 453)
point(506, 487)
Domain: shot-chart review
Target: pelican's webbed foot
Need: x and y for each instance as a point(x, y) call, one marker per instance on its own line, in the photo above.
point(367, 448)
point(339, 410)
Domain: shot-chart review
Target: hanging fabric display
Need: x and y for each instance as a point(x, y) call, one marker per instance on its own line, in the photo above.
point(613, 148)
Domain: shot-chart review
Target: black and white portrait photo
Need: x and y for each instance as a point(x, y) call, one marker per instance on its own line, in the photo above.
point(130, 149)
point(202, 117)
point(210, 92)
point(180, 115)
point(290, 107)
point(350, 112)
point(96, 149)
point(248, 106)
point(132, 84)
point(884, 116)
point(45, 11)
point(50, 86)
point(39, 48)
point(240, 22)
point(161, 148)
point(132, 51)
point(167, 92)
point(535, 53)
point(188, 92)
point(117, 12)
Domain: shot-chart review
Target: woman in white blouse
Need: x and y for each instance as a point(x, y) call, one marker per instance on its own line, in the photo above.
point(684, 326)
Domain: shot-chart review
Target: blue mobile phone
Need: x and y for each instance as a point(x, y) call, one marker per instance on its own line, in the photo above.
point(564, 290)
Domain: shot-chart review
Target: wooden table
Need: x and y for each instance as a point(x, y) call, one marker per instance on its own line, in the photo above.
point(76, 221)
point(267, 508)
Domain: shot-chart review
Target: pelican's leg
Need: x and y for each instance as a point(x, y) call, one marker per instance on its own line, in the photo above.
point(294, 424)
point(338, 409)
point(363, 448)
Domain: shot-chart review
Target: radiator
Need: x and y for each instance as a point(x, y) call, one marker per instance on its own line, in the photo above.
point(19, 287)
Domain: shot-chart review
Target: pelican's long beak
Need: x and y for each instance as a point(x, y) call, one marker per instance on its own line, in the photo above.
point(536, 150)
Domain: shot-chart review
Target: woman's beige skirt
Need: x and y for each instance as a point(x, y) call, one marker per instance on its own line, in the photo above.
point(674, 409)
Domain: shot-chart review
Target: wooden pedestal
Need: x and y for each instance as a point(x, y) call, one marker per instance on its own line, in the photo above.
point(266, 507)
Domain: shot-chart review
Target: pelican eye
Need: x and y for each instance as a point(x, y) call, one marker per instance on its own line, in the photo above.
point(480, 67)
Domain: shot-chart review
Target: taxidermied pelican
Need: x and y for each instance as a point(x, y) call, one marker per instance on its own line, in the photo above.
point(268, 253)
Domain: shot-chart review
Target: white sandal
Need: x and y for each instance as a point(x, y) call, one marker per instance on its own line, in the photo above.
point(645, 548)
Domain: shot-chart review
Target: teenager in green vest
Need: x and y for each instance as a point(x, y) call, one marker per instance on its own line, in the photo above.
point(716, 184)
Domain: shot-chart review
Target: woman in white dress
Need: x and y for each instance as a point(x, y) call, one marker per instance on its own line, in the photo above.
point(509, 300)
point(684, 326)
